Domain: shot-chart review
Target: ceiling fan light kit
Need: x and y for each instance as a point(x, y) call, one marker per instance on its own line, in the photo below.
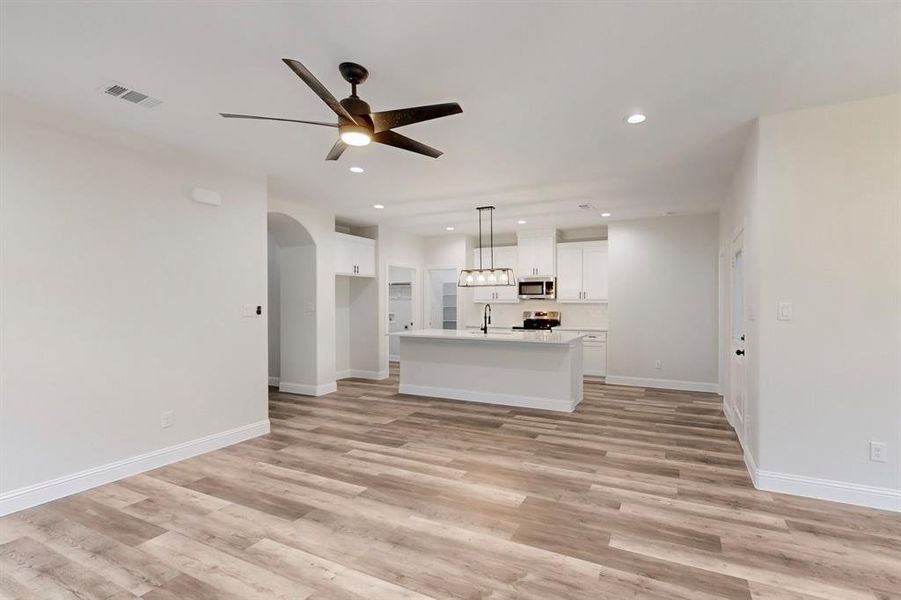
point(492, 276)
point(357, 125)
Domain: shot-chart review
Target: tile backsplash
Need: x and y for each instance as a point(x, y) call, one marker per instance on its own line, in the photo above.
point(589, 316)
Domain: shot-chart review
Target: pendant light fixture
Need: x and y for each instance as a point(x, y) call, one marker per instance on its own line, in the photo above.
point(491, 276)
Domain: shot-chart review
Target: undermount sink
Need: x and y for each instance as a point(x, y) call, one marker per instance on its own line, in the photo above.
point(491, 333)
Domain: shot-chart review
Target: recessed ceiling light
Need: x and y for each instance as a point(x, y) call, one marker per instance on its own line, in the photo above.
point(521, 222)
point(357, 170)
point(378, 206)
point(449, 228)
point(605, 214)
point(635, 119)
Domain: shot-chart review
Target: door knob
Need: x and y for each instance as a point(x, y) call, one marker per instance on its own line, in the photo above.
point(739, 352)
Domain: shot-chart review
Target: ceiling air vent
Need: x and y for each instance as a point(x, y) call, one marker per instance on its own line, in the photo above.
point(117, 90)
point(586, 206)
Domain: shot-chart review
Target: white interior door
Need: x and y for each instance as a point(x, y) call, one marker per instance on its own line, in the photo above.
point(737, 376)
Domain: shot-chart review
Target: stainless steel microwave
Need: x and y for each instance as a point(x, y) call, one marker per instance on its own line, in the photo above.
point(537, 288)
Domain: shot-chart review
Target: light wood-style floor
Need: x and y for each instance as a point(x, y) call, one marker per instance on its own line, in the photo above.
point(369, 494)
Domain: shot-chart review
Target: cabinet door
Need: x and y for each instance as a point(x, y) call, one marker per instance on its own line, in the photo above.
point(525, 250)
point(594, 358)
point(505, 257)
point(569, 273)
point(344, 260)
point(594, 271)
point(545, 255)
point(364, 258)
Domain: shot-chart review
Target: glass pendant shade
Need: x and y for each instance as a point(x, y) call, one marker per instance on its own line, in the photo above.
point(491, 276)
point(486, 277)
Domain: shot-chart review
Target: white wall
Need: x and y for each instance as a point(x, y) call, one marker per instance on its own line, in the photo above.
point(664, 302)
point(828, 206)
point(299, 338)
point(342, 326)
point(121, 299)
point(274, 312)
point(400, 249)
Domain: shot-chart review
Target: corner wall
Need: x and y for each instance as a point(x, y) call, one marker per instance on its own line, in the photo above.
point(121, 299)
point(826, 210)
point(663, 303)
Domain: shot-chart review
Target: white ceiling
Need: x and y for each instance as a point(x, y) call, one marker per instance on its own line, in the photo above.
point(544, 88)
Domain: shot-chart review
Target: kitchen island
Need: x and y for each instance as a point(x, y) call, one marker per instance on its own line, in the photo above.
point(532, 369)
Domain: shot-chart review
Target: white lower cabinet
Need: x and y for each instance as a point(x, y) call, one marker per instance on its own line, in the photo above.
point(594, 354)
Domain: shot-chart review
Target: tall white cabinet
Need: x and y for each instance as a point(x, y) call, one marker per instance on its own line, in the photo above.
point(582, 272)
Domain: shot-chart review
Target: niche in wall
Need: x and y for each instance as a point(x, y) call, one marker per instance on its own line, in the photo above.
point(356, 327)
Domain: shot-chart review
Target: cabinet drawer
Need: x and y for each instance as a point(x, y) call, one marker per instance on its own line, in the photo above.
point(594, 336)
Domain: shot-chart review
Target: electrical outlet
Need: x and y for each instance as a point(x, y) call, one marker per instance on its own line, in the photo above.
point(877, 451)
point(166, 419)
point(658, 364)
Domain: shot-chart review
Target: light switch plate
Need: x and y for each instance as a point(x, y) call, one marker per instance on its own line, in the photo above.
point(784, 311)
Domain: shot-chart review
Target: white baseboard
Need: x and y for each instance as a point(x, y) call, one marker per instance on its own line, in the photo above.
point(361, 374)
point(812, 487)
point(273, 381)
point(67, 485)
point(489, 398)
point(305, 389)
point(827, 489)
point(665, 384)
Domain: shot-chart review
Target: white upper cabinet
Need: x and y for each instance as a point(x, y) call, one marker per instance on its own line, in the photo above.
point(504, 257)
point(569, 272)
point(594, 271)
point(582, 272)
point(354, 255)
point(537, 254)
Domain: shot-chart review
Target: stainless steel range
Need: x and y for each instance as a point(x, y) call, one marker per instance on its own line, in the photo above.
point(540, 319)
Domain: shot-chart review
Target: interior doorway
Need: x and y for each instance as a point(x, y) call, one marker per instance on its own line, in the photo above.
point(737, 334)
point(442, 296)
point(401, 284)
point(292, 301)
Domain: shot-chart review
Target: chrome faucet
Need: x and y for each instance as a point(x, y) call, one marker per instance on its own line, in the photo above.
point(486, 319)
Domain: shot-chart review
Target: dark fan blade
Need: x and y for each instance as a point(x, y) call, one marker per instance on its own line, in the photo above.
point(321, 91)
point(390, 119)
point(233, 116)
point(391, 138)
point(336, 151)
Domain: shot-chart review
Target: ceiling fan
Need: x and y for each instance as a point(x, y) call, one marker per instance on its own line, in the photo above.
point(357, 124)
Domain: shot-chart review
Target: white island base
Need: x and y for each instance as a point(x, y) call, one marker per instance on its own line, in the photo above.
point(526, 369)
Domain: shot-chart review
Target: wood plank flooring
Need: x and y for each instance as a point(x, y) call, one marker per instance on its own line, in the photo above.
point(366, 493)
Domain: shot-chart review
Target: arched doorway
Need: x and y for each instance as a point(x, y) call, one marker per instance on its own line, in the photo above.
point(292, 305)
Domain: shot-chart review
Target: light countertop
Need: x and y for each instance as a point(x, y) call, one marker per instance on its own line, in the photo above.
point(502, 335)
point(508, 328)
